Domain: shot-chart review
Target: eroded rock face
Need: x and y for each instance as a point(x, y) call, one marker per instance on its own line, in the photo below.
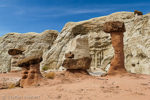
point(136, 38)
point(31, 74)
point(99, 41)
point(116, 29)
point(33, 43)
point(79, 46)
point(16, 56)
point(78, 49)
point(136, 43)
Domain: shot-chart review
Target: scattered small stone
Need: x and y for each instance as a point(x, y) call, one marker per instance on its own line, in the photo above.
point(117, 86)
point(17, 84)
point(144, 84)
point(102, 87)
point(103, 75)
point(38, 85)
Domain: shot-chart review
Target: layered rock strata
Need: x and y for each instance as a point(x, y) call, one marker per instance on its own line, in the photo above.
point(16, 56)
point(31, 74)
point(33, 43)
point(116, 29)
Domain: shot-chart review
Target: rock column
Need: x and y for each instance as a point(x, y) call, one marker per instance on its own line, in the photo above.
point(116, 29)
point(31, 74)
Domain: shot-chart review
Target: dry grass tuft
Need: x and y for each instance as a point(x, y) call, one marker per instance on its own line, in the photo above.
point(11, 85)
point(50, 75)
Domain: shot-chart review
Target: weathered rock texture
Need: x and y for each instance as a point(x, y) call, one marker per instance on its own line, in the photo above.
point(31, 74)
point(79, 46)
point(136, 42)
point(16, 56)
point(78, 49)
point(33, 43)
point(80, 63)
point(69, 55)
point(116, 29)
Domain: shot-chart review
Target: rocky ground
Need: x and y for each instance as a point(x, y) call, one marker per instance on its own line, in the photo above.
point(77, 87)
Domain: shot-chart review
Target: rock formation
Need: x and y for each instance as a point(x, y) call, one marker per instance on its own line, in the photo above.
point(99, 41)
point(31, 74)
point(116, 29)
point(16, 56)
point(136, 43)
point(33, 43)
point(69, 55)
point(79, 46)
point(80, 63)
point(138, 12)
point(77, 54)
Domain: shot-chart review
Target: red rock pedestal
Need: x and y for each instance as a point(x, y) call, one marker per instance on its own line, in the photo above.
point(81, 63)
point(116, 29)
point(76, 68)
point(31, 74)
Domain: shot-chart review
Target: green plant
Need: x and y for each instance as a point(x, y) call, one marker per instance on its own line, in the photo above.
point(50, 75)
point(45, 68)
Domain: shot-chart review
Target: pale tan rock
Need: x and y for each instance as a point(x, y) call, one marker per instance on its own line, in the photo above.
point(14, 60)
point(16, 56)
point(99, 41)
point(33, 43)
point(136, 39)
point(79, 47)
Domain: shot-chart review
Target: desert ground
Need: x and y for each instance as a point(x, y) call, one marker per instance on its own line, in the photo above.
point(79, 87)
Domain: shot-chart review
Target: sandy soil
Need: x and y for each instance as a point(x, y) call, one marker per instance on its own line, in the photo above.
point(86, 87)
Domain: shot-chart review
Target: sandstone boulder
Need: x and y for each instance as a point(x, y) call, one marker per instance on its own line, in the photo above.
point(138, 12)
point(79, 47)
point(81, 63)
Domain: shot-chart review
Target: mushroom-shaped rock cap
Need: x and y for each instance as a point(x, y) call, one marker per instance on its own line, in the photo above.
point(69, 55)
point(138, 12)
point(114, 26)
point(15, 51)
point(30, 60)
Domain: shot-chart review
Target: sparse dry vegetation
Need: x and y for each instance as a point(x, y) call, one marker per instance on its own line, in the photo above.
point(11, 85)
point(50, 75)
point(45, 68)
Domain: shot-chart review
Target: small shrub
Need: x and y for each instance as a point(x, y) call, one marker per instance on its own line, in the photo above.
point(11, 86)
point(50, 75)
point(45, 68)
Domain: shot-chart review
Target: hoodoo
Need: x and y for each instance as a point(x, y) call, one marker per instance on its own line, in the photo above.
point(116, 29)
